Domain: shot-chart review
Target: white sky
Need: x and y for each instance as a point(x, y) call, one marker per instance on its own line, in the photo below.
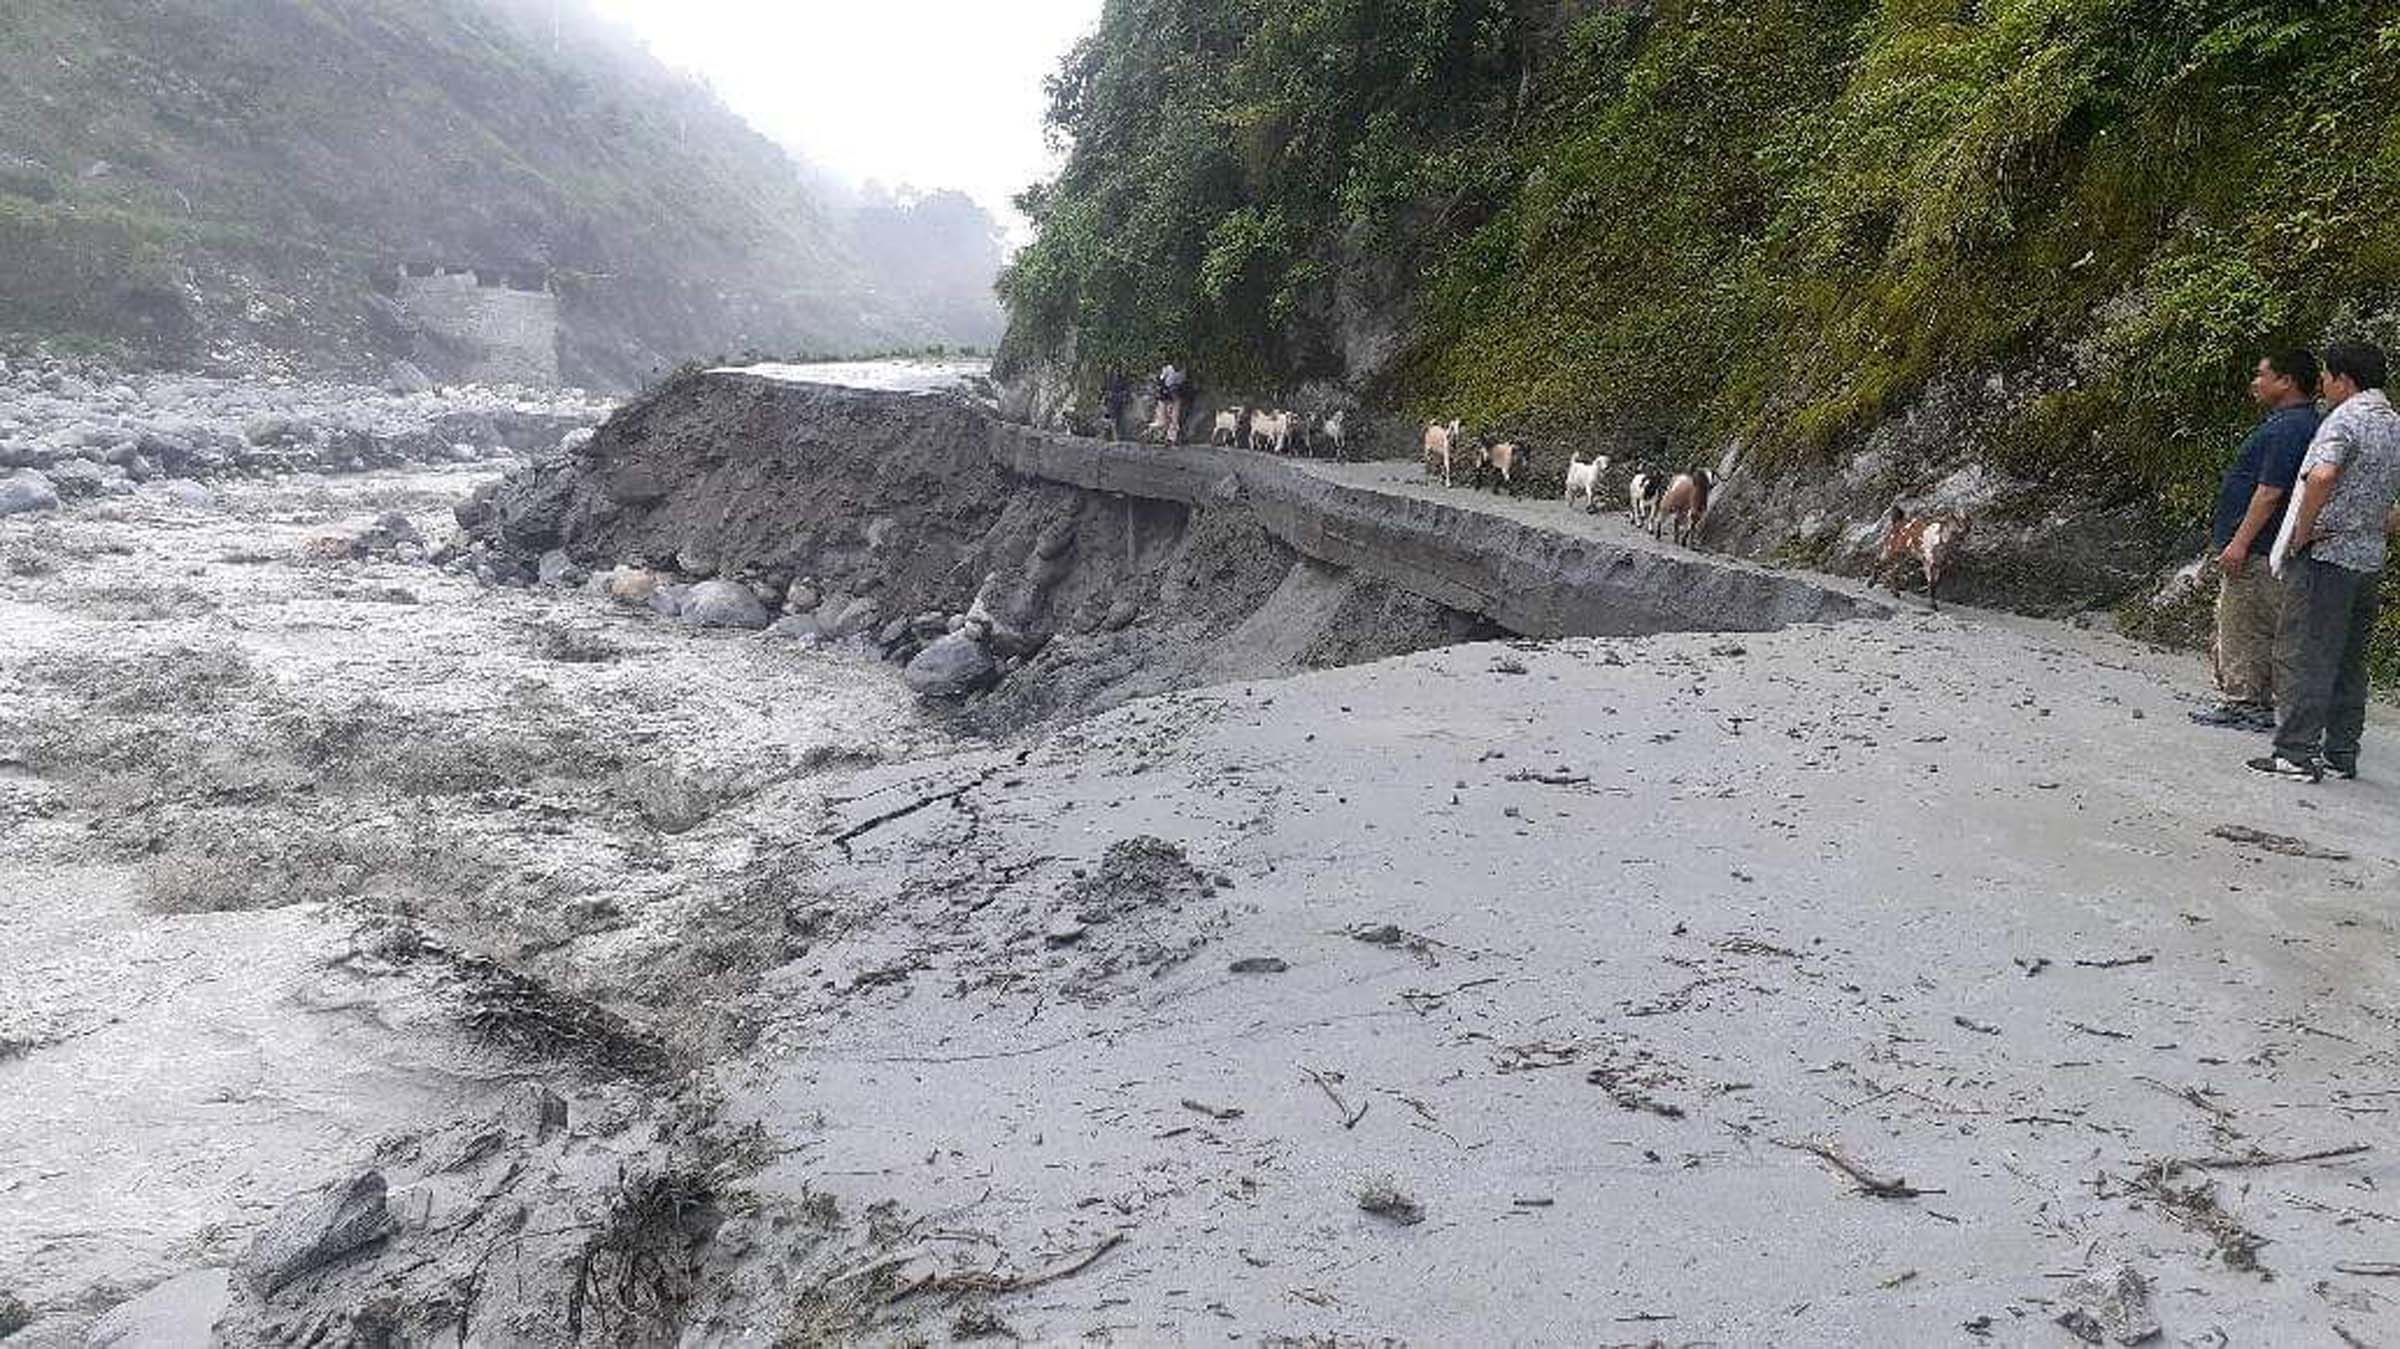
point(933, 93)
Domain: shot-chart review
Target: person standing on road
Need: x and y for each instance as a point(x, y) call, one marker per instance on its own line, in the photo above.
point(2250, 507)
point(2331, 553)
point(1115, 392)
point(1174, 400)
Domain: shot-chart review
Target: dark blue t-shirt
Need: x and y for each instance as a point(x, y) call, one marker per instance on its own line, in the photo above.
point(2271, 456)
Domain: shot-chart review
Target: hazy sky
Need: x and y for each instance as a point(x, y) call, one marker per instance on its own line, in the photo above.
point(937, 93)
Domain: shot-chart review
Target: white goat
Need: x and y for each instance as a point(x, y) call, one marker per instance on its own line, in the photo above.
point(1439, 443)
point(1585, 478)
point(1229, 425)
point(1335, 434)
point(1273, 428)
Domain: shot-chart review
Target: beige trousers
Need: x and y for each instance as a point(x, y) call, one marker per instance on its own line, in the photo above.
point(2248, 609)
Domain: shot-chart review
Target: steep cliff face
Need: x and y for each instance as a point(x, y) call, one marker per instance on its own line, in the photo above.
point(236, 181)
point(2013, 255)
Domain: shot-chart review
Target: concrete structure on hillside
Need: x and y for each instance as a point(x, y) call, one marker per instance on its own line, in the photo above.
point(502, 328)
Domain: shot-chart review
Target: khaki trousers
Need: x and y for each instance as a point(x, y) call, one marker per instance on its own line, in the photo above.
point(2249, 608)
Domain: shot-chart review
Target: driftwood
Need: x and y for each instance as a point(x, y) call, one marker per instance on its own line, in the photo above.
point(1897, 1187)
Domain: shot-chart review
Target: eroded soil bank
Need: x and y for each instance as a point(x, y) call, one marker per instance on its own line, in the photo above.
point(396, 960)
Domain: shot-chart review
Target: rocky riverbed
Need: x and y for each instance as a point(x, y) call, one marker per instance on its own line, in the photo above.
point(399, 958)
point(72, 430)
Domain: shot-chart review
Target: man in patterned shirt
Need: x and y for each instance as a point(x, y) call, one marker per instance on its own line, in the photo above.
point(2331, 555)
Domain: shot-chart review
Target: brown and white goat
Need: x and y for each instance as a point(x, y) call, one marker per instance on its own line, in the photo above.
point(1441, 445)
point(1507, 461)
point(1933, 540)
point(1685, 502)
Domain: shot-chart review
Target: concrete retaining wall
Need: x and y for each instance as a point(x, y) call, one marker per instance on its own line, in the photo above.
point(1538, 582)
point(508, 336)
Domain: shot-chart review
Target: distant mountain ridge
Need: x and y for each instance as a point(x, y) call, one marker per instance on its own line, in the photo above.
point(224, 182)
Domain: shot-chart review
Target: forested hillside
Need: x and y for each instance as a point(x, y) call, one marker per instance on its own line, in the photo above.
point(2049, 234)
point(197, 180)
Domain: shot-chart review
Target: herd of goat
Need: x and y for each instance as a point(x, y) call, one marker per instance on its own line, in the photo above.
point(1660, 502)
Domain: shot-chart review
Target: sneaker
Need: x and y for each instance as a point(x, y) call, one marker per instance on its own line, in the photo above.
point(2277, 766)
point(2347, 772)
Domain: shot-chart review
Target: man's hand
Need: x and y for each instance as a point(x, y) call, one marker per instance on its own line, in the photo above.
point(2235, 556)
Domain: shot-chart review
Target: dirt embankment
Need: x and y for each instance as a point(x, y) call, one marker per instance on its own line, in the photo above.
point(1081, 573)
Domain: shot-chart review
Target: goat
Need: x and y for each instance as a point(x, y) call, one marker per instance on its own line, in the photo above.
point(1336, 433)
point(1585, 477)
point(1229, 425)
point(1933, 540)
point(1508, 460)
point(1641, 497)
point(1440, 441)
point(1685, 502)
point(1274, 428)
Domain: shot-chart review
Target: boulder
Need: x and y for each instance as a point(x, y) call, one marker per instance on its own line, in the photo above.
point(954, 666)
point(856, 617)
point(311, 1233)
point(892, 632)
point(554, 568)
point(724, 604)
point(802, 598)
point(406, 378)
point(77, 478)
point(184, 492)
point(27, 491)
point(794, 628)
point(668, 599)
point(183, 1310)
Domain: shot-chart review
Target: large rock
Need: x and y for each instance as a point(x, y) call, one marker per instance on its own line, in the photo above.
point(952, 667)
point(315, 1232)
point(724, 604)
point(406, 378)
point(77, 477)
point(27, 491)
point(183, 492)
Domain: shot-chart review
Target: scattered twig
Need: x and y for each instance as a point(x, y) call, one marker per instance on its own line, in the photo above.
point(2255, 1158)
point(1979, 1027)
point(2373, 1269)
point(1350, 1118)
point(2102, 1031)
point(1868, 1182)
point(981, 1281)
point(2116, 962)
point(1558, 778)
point(1215, 1112)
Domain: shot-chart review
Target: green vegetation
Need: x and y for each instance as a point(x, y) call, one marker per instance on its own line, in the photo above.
point(1773, 220)
point(1778, 221)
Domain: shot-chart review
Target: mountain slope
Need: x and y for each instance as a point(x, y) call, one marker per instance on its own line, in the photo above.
point(1874, 244)
point(186, 177)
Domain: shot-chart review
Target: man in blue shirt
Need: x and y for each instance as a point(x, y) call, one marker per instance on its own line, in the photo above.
point(2250, 506)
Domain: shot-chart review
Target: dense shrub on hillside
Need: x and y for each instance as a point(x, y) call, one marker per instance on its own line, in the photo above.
point(1775, 220)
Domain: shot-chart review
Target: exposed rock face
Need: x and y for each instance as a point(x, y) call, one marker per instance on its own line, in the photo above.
point(313, 1233)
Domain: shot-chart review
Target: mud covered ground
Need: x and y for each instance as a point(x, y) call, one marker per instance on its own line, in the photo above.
point(1921, 980)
